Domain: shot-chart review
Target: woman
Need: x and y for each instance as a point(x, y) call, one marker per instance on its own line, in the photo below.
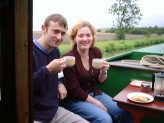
point(80, 80)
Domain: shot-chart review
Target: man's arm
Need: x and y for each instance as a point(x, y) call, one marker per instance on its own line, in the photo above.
point(61, 88)
point(62, 91)
point(40, 76)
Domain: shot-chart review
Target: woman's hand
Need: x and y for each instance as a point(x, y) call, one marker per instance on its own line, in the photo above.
point(99, 104)
point(103, 71)
point(96, 102)
point(105, 66)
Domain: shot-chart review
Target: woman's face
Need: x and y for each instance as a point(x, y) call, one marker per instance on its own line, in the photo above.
point(84, 38)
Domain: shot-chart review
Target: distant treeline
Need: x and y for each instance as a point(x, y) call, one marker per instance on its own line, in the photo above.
point(138, 31)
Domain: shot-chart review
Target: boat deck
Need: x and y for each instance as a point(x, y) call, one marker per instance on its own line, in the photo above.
point(132, 65)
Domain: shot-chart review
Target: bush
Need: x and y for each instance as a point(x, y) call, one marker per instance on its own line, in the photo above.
point(120, 34)
point(112, 46)
point(124, 45)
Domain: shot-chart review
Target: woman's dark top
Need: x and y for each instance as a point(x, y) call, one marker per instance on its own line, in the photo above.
point(78, 81)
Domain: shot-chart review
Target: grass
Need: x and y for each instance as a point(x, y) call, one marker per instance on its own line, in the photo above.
point(110, 48)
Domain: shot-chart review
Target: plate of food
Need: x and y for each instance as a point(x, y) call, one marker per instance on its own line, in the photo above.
point(140, 97)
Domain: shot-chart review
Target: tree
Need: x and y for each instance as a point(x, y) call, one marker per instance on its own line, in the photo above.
point(128, 14)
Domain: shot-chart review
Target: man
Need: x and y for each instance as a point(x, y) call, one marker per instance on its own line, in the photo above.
point(47, 64)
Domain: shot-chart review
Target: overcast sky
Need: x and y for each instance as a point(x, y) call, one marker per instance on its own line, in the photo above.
point(95, 11)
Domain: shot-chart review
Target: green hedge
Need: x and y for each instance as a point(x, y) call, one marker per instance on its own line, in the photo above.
point(130, 44)
point(114, 46)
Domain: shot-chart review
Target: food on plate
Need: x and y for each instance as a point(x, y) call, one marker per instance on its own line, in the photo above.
point(140, 98)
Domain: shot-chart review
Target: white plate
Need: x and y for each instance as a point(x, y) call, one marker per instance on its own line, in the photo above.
point(130, 95)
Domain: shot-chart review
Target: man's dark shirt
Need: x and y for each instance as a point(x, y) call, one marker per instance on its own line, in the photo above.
point(45, 84)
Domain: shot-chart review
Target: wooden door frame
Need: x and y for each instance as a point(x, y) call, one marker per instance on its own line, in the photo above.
point(16, 61)
point(23, 59)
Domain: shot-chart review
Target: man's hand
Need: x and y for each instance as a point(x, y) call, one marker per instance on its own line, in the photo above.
point(56, 66)
point(62, 91)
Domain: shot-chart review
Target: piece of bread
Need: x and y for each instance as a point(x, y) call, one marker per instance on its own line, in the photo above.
point(140, 98)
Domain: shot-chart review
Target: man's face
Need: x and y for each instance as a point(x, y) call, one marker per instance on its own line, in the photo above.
point(54, 35)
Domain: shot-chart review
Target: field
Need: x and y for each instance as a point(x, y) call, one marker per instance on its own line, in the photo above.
point(100, 36)
point(102, 40)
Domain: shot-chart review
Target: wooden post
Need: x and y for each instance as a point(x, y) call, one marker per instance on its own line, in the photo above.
point(16, 61)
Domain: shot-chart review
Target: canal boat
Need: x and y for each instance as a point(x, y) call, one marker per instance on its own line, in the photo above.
point(127, 67)
point(16, 85)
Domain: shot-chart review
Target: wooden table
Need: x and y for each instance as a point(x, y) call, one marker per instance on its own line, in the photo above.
point(138, 110)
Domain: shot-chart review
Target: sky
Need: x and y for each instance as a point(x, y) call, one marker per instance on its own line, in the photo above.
point(95, 11)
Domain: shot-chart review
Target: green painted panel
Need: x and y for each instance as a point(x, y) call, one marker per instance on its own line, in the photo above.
point(120, 77)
